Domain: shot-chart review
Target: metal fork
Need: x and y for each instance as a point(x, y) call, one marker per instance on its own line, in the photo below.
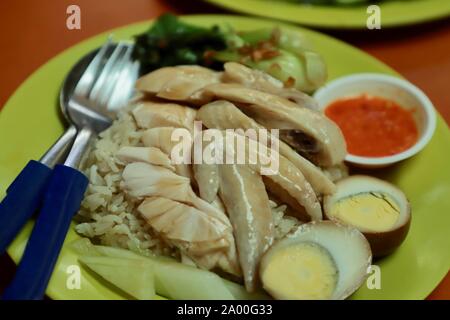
point(88, 111)
point(88, 107)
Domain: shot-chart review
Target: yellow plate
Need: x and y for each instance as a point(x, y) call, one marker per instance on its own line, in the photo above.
point(29, 123)
point(394, 13)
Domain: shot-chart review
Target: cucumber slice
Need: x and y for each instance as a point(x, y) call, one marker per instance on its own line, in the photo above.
point(178, 281)
point(134, 277)
point(173, 279)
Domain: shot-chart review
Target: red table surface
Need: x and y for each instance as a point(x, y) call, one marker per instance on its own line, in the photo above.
point(34, 31)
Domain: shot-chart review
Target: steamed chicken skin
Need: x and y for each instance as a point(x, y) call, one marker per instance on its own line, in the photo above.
point(180, 83)
point(290, 186)
point(259, 80)
point(187, 83)
point(247, 204)
point(141, 180)
point(336, 172)
point(149, 155)
point(161, 138)
point(266, 100)
point(243, 192)
point(151, 114)
point(222, 114)
point(256, 79)
point(206, 172)
point(285, 181)
point(207, 177)
point(310, 133)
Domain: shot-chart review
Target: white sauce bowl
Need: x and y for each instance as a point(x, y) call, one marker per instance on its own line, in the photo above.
point(404, 93)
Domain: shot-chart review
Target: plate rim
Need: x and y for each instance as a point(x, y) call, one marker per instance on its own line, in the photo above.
point(339, 19)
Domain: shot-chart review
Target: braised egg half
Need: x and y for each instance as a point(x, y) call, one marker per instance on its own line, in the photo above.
point(319, 260)
point(375, 207)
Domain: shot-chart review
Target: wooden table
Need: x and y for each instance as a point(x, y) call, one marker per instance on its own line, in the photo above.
point(34, 31)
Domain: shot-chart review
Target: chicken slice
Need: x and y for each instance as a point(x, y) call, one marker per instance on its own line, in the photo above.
point(206, 171)
point(247, 203)
point(163, 139)
point(142, 180)
point(180, 83)
point(252, 78)
point(222, 114)
point(150, 114)
point(207, 177)
point(149, 155)
point(336, 172)
point(201, 237)
point(178, 221)
point(290, 187)
point(310, 133)
point(283, 179)
point(259, 80)
point(218, 203)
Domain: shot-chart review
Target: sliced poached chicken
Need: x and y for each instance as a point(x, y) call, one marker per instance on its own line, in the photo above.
point(308, 132)
point(282, 178)
point(149, 182)
point(149, 155)
point(151, 114)
point(163, 139)
point(200, 236)
point(180, 83)
point(243, 193)
point(259, 80)
point(222, 115)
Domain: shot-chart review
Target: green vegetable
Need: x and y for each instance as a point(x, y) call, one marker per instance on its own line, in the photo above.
point(171, 42)
point(173, 279)
point(134, 277)
point(283, 54)
point(295, 60)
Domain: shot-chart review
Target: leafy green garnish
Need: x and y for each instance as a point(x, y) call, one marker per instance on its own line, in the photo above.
point(171, 42)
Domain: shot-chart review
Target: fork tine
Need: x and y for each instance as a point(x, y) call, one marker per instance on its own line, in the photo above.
point(106, 73)
point(125, 83)
point(87, 80)
point(117, 73)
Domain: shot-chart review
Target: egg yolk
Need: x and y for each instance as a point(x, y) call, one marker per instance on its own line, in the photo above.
point(302, 271)
point(372, 211)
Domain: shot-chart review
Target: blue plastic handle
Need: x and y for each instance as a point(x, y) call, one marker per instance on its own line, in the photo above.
point(61, 201)
point(23, 197)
